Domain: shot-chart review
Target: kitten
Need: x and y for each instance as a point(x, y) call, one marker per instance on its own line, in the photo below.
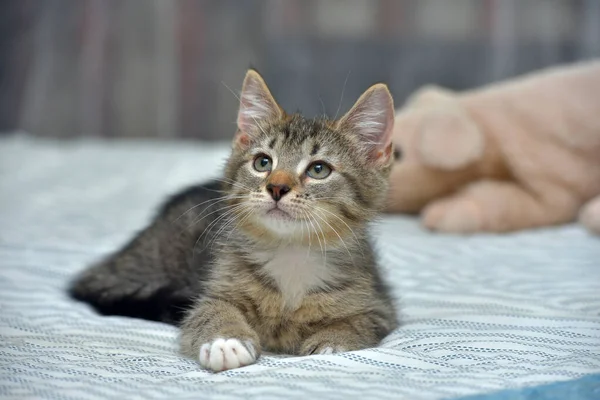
point(276, 256)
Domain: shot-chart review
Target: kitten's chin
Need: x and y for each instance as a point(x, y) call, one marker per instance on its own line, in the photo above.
point(281, 223)
point(279, 214)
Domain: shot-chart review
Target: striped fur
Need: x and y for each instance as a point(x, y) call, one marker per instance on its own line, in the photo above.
point(302, 279)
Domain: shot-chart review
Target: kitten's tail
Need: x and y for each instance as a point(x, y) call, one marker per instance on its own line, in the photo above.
point(156, 275)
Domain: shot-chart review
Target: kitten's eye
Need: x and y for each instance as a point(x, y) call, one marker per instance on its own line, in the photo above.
point(263, 163)
point(318, 170)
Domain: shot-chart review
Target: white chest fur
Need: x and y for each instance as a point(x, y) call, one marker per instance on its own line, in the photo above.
point(295, 270)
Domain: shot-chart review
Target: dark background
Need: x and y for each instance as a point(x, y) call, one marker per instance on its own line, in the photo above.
point(158, 68)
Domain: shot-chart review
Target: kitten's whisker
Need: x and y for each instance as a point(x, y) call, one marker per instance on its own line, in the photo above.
point(216, 221)
point(232, 92)
point(213, 223)
point(342, 96)
point(215, 201)
point(223, 226)
point(221, 217)
point(322, 106)
point(296, 219)
point(251, 116)
point(305, 220)
point(216, 190)
point(336, 232)
point(239, 217)
point(356, 240)
point(229, 180)
point(341, 220)
point(246, 216)
point(198, 220)
point(234, 183)
point(258, 125)
point(222, 229)
point(206, 234)
point(324, 237)
point(317, 233)
point(342, 198)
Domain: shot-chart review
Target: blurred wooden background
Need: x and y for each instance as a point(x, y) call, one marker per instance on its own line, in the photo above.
point(159, 68)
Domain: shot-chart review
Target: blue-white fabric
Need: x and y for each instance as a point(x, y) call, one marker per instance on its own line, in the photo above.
point(480, 313)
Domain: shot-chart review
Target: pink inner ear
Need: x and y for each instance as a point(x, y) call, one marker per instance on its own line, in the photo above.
point(242, 139)
point(385, 147)
point(383, 156)
point(372, 118)
point(388, 151)
point(256, 104)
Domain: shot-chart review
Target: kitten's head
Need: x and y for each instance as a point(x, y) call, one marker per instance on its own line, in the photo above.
point(290, 176)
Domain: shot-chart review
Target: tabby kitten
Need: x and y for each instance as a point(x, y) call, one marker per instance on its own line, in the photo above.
point(277, 255)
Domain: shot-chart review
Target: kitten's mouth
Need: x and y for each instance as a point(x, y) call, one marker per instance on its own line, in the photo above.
point(278, 213)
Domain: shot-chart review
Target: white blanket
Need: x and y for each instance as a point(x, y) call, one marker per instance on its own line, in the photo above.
point(480, 313)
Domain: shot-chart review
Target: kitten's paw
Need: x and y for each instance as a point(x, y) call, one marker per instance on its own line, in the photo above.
point(329, 350)
point(322, 348)
point(224, 354)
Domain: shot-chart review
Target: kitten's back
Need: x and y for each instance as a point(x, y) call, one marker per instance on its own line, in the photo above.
point(157, 275)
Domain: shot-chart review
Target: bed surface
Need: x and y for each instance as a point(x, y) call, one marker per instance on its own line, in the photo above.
point(480, 314)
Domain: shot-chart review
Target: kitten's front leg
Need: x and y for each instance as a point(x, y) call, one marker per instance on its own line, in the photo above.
point(353, 333)
point(217, 334)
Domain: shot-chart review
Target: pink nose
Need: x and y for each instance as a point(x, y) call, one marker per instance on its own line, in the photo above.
point(277, 191)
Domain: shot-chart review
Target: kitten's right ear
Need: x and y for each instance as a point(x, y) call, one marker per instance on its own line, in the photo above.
point(371, 119)
point(257, 106)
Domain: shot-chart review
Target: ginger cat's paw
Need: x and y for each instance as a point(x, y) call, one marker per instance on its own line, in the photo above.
point(453, 215)
point(223, 354)
point(589, 215)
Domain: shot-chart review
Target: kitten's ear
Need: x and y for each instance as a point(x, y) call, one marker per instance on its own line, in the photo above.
point(372, 120)
point(257, 105)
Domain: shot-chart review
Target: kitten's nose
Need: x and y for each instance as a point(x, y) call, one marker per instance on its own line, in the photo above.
point(277, 191)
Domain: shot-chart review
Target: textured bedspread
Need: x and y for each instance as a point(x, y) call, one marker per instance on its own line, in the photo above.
point(480, 314)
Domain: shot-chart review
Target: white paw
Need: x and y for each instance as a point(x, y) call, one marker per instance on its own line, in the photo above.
point(223, 354)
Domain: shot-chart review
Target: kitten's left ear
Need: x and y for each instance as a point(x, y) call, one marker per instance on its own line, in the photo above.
point(257, 106)
point(372, 120)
